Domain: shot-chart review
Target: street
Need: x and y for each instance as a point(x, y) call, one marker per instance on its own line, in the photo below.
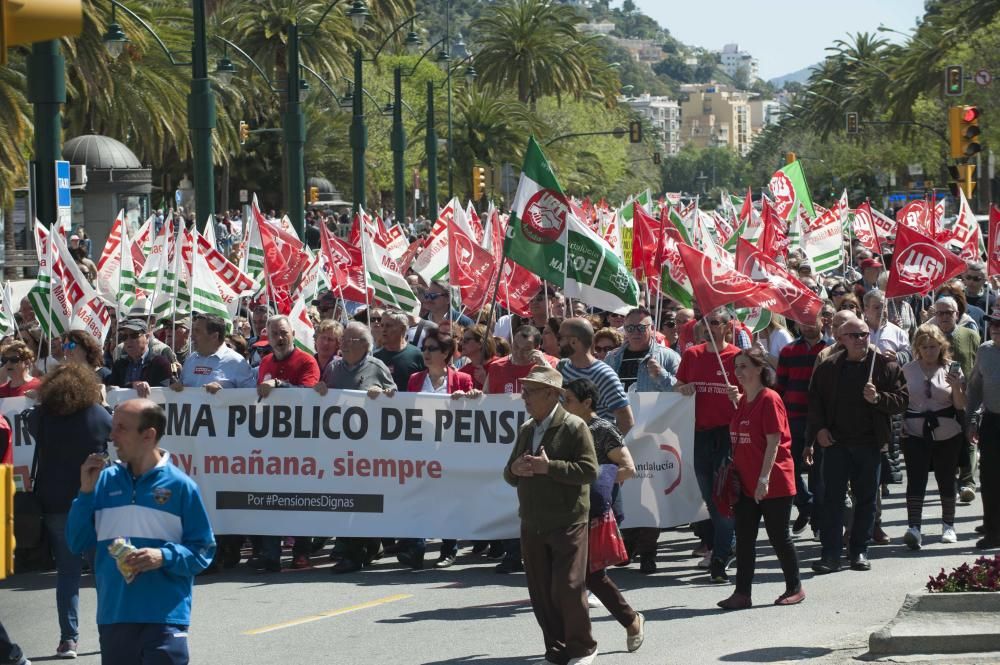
point(469, 614)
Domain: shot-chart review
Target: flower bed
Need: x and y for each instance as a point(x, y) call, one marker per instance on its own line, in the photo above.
point(983, 575)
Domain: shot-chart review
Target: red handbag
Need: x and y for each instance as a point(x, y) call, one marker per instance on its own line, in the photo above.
point(606, 545)
point(726, 490)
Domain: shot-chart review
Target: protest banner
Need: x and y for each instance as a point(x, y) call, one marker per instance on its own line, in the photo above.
point(412, 465)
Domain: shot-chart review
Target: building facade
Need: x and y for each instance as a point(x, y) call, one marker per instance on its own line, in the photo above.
point(714, 115)
point(733, 60)
point(664, 116)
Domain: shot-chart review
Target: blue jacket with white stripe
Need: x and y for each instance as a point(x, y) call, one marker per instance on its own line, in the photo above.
point(161, 508)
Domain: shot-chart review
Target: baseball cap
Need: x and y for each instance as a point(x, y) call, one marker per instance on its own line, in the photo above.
point(870, 263)
point(137, 325)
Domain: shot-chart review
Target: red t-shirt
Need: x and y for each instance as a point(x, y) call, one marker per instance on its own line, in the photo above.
point(685, 335)
point(700, 367)
point(298, 369)
point(505, 377)
point(470, 369)
point(7, 391)
point(751, 424)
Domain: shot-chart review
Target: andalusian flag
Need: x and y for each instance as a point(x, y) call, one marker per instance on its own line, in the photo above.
point(7, 322)
point(545, 237)
point(383, 276)
point(204, 292)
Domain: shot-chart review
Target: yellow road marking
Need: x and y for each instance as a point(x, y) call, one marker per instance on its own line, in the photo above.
point(328, 614)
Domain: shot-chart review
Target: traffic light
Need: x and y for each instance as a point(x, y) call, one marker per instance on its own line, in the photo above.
point(954, 80)
point(656, 158)
point(29, 21)
point(853, 126)
point(964, 176)
point(635, 132)
point(478, 182)
point(244, 130)
point(963, 129)
point(789, 157)
point(314, 195)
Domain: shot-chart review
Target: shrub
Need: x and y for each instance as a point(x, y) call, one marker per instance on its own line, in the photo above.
point(983, 575)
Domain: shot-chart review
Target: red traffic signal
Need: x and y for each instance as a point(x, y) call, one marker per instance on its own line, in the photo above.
point(970, 114)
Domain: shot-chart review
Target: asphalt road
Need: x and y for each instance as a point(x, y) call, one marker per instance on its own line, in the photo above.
point(468, 614)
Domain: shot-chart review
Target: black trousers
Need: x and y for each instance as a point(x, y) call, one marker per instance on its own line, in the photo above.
point(920, 455)
point(775, 513)
point(989, 473)
point(8, 650)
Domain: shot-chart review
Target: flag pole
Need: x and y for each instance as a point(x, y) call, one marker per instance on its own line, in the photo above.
point(881, 322)
point(718, 356)
point(496, 292)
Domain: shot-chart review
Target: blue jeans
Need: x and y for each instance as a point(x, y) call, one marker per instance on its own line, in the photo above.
point(861, 466)
point(143, 644)
point(711, 450)
point(69, 568)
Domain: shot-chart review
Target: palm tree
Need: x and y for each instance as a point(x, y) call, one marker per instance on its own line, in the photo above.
point(533, 47)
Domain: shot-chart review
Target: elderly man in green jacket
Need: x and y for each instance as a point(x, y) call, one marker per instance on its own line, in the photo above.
point(552, 466)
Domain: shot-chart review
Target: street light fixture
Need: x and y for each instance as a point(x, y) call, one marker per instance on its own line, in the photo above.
point(358, 14)
point(225, 70)
point(114, 39)
point(471, 74)
point(413, 42)
point(443, 59)
point(458, 49)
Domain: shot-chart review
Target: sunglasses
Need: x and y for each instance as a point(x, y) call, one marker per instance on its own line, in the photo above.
point(927, 388)
point(838, 293)
point(973, 278)
point(669, 324)
point(433, 296)
point(8, 361)
point(69, 346)
point(636, 327)
point(375, 319)
point(604, 349)
point(431, 349)
point(856, 335)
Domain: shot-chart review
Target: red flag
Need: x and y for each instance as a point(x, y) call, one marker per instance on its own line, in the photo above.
point(716, 284)
point(746, 212)
point(517, 287)
point(864, 228)
point(644, 232)
point(914, 215)
point(345, 266)
point(798, 302)
point(773, 239)
point(920, 264)
point(993, 249)
point(471, 266)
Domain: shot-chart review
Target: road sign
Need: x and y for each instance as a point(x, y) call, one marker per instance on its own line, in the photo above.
point(983, 77)
point(244, 196)
point(64, 201)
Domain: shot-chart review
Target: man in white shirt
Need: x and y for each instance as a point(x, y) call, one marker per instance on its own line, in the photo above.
point(889, 338)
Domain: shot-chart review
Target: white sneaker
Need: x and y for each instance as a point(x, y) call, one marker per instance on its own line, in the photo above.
point(948, 534)
point(592, 600)
point(912, 538)
point(584, 660)
point(706, 561)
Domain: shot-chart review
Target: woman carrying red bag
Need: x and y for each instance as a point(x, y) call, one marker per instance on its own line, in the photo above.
point(762, 455)
point(580, 399)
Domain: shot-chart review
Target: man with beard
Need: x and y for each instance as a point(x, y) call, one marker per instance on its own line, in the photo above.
point(576, 338)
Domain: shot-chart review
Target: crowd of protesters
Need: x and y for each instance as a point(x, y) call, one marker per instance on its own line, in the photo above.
point(803, 415)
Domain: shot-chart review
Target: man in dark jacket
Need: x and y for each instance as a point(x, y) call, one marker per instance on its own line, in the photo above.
point(850, 404)
point(552, 466)
point(139, 367)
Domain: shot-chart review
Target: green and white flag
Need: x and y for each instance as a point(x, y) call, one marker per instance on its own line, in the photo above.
point(432, 263)
point(625, 212)
point(545, 237)
point(171, 295)
point(754, 318)
point(302, 326)
point(384, 277)
point(7, 321)
point(204, 291)
point(789, 187)
point(823, 244)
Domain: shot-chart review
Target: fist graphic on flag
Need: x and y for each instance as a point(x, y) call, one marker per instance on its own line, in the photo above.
point(545, 216)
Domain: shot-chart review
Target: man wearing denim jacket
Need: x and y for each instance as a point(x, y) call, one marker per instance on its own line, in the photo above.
point(643, 366)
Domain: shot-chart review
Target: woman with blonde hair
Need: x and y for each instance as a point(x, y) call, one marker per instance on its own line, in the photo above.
point(68, 425)
point(932, 433)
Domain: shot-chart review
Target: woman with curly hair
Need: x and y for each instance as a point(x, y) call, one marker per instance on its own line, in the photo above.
point(68, 424)
point(79, 347)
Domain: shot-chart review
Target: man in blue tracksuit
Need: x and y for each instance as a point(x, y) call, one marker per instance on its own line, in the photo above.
point(149, 501)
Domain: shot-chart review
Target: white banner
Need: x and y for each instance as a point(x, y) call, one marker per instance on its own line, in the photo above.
point(413, 465)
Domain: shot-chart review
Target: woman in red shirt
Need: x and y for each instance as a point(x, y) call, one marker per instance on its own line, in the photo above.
point(762, 455)
point(18, 360)
point(478, 346)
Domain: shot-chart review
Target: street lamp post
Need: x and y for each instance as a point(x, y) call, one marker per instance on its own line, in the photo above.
point(431, 146)
point(47, 73)
point(201, 100)
point(294, 126)
point(358, 136)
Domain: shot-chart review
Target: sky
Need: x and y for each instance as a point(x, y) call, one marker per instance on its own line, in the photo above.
point(784, 35)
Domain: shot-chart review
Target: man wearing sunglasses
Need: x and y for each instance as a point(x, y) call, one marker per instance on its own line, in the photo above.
point(139, 367)
point(849, 417)
point(977, 292)
point(643, 366)
point(437, 305)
